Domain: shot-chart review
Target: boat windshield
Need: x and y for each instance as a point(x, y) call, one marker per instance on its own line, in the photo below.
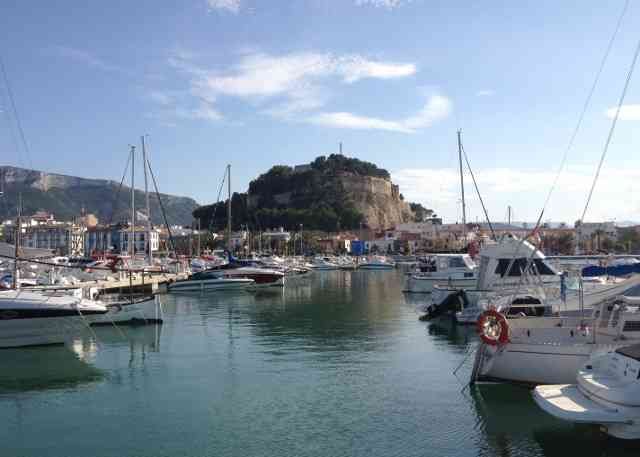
point(632, 352)
point(206, 275)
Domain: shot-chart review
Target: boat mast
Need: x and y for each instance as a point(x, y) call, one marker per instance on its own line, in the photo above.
point(146, 194)
point(16, 269)
point(229, 208)
point(132, 246)
point(464, 208)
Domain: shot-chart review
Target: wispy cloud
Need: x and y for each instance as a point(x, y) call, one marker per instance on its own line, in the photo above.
point(283, 85)
point(525, 190)
point(485, 93)
point(229, 6)
point(86, 58)
point(627, 113)
point(388, 4)
point(437, 107)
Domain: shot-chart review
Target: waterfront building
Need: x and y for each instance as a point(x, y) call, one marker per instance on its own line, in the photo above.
point(115, 239)
point(42, 231)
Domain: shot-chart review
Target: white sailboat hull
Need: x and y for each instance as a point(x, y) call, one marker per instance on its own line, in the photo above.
point(144, 311)
point(375, 266)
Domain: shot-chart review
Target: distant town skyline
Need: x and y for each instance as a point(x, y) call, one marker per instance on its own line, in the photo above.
point(257, 84)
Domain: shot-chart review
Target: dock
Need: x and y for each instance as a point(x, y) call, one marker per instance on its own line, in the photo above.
point(136, 283)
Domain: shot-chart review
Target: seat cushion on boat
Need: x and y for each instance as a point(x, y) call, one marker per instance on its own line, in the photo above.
point(566, 402)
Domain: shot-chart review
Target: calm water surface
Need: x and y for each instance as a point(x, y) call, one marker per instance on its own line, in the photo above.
point(338, 365)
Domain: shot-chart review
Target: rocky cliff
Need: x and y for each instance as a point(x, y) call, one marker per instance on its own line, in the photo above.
point(377, 199)
point(331, 193)
point(66, 197)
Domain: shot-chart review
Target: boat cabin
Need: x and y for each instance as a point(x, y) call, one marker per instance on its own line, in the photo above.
point(447, 262)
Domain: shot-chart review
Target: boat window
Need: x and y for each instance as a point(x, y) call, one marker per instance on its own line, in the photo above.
point(515, 267)
point(456, 262)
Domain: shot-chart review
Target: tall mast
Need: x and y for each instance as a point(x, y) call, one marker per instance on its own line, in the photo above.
point(146, 194)
point(464, 207)
point(132, 237)
point(229, 208)
point(16, 269)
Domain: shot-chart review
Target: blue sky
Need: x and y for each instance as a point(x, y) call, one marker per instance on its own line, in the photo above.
point(256, 83)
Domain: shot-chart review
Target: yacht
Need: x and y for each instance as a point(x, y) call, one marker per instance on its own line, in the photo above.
point(324, 263)
point(449, 270)
point(208, 281)
point(377, 263)
point(551, 349)
point(606, 393)
point(261, 277)
point(29, 318)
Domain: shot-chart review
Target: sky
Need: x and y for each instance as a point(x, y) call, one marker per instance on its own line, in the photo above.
point(256, 83)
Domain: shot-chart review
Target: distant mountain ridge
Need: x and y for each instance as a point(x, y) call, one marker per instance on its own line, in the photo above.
point(66, 197)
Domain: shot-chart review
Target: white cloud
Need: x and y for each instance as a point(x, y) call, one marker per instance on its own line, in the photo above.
point(627, 113)
point(437, 107)
point(354, 68)
point(87, 58)
point(525, 190)
point(353, 121)
point(388, 4)
point(283, 85)
point(231, 6)
point(485, 93)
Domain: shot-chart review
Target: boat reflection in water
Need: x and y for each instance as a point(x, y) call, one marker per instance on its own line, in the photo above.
point(509, 423)
point(44, 368)
point(110, 341)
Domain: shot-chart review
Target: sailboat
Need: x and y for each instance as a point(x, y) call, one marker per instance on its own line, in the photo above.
point(124, 309)
point(448, 270)
point(33, 318)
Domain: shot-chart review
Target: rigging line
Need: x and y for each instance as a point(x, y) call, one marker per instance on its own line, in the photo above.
point(114, 207)
point(164, 214)
point(586, 105)
point(475, 184)
point(215, 205)
point(612, 129)
point(15, 112)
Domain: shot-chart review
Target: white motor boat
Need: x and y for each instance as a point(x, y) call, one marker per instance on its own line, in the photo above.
point(324, 263)
point(607, 393)
point(262, 277)
point(29, 318)
point(448, 270)
point(377, 263)
point(550, 350)
point(212, 280)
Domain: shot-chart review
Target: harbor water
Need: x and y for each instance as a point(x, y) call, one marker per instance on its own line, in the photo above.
point(335, 365)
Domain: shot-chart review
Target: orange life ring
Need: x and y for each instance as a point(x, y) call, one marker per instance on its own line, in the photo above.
point(493, 328)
